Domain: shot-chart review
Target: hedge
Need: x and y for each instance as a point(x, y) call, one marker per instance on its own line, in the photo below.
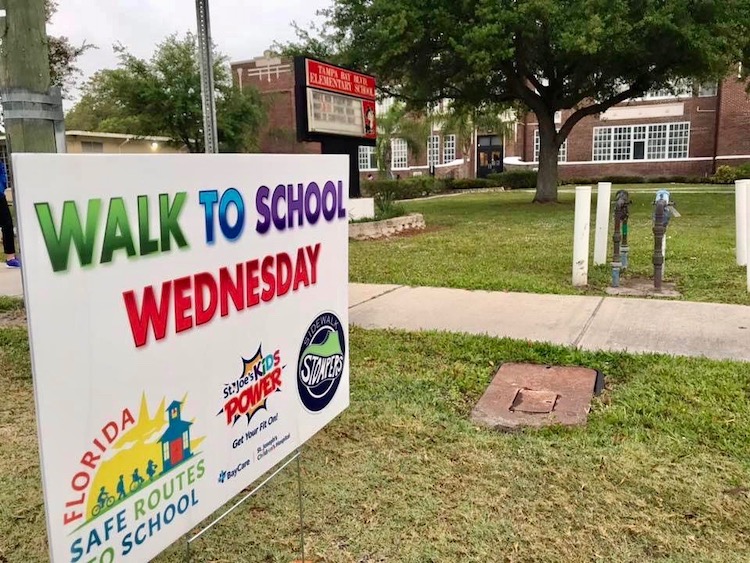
point(637, 180)
point(408, 188)
point(515, 179)
point(470, 183)
point(728, 174)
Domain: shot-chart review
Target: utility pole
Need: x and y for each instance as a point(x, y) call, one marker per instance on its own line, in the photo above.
point(32, 112)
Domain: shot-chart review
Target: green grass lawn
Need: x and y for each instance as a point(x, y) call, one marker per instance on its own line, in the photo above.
point(501, 241)
point(661, 472)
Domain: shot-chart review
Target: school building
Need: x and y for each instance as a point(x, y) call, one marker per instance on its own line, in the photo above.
point(103, 143)
point(688, 132)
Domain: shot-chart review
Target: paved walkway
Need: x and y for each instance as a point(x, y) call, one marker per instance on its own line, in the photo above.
point(591, 323)
point(10, 282)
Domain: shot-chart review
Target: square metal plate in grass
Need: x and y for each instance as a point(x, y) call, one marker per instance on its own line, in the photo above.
point(534, 401)
point(533, 395)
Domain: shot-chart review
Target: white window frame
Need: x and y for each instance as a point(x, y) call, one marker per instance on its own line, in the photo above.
point(399, 155)
point(562, 154)
point(684, 89)
point(433, 150)
point(651, 134)
point(366, 159)
point(449, 148)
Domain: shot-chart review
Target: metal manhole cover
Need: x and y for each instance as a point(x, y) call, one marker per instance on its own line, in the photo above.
point(537, 395)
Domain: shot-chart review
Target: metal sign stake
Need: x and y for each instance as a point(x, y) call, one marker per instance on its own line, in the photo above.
point(296, 455)
point(301, 511)
point(206, 60)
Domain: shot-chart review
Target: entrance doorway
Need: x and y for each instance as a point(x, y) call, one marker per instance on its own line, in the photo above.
point(489, 155)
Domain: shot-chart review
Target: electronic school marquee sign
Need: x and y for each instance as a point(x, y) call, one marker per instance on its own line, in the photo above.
point(334, 102)
point(188, 326)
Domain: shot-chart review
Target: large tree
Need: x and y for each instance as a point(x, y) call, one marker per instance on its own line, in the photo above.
point(550, 55)
point(63, 55)
point(162, 96)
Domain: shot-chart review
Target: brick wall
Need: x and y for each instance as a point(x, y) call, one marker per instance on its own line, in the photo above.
point(275, 81)
point(699, 111)
point(643, 168)
point(274, 78)
point(734, 121)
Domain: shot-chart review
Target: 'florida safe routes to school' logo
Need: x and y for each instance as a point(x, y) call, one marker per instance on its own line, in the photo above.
point(321, 362)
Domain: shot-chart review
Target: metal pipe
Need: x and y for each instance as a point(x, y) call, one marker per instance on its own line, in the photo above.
point(660, 229)
point(621, 216)
point(616, 259)
point(624, 247)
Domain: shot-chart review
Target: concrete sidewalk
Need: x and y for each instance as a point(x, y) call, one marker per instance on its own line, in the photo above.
point(590, 323)
point(10, 282)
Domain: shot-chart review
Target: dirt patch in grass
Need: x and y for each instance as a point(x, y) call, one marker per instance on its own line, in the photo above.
point(406, 233)
point(13, 318)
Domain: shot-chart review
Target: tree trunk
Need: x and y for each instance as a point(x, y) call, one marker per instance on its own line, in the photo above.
point(466, 167)
point(546, 183)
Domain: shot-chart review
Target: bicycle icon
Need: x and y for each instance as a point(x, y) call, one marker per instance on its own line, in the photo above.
point(103, 502)
point(137, 482)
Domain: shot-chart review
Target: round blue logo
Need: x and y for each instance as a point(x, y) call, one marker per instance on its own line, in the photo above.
point(321, 362)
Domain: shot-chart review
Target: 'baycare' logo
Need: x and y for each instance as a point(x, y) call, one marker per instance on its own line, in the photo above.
point(321, 362)
point(260, 378)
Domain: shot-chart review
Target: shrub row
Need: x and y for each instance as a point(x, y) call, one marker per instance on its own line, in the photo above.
point(420, 186)
point(408, 188)
point(470, 184)
point(728, 174)
point(423, 186)
point(638, 180)
point(515, 179)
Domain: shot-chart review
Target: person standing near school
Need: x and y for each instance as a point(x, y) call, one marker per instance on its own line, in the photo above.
point(6, 223)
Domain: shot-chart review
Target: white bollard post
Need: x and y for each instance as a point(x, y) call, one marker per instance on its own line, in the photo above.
point(740, 203)
point(581, 230)
point(603, 196)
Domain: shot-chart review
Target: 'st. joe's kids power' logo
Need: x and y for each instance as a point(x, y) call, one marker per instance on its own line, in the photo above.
point(260, 378)
point(321, 362)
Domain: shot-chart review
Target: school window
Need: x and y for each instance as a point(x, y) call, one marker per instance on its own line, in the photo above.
point(367, 160)
point(562, 153)
point(449, 149)
point(662, 141)
point(92, 146)
point(433, 150)
point(399, 154)
point(185, 440)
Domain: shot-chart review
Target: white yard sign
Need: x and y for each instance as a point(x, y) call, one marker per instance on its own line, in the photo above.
point(188, 324)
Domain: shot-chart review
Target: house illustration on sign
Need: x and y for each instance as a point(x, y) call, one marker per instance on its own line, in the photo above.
point(176, 440)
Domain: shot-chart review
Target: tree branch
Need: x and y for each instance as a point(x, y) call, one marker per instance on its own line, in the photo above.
point(596, 108)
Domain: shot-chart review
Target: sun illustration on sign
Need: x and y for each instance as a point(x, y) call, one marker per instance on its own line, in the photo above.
point(155, 445)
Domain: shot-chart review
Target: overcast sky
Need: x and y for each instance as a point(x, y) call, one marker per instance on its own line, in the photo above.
point(242, 29)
